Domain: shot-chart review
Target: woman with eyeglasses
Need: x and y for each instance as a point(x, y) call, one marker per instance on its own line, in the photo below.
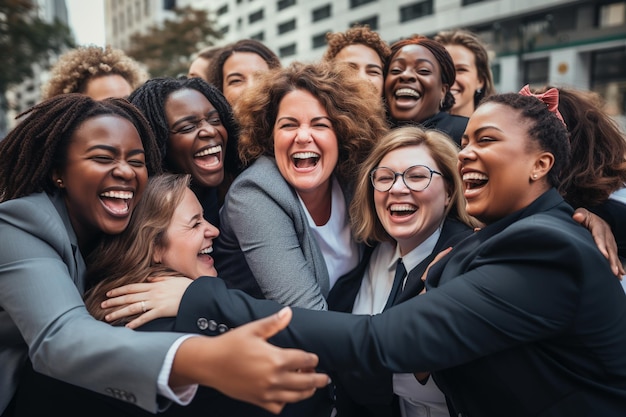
point(197, 135)
point(408, 205)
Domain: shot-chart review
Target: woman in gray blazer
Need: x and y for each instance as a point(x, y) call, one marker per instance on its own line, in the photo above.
point(70, 172)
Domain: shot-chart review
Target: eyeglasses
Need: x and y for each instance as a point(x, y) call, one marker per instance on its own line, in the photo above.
point(416, 178)
point(191, 126)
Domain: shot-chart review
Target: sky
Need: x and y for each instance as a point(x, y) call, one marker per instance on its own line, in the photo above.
point(86, 19)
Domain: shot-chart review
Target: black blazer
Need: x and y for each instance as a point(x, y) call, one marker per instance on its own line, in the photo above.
point(452, 125)
point(360, 394)
point(523, 318)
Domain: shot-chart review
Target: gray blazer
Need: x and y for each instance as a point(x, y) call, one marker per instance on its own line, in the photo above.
point(42, 312)
point(266, 247)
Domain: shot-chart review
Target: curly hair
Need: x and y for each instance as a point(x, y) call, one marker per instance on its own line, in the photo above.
point(360, 35)
point(598, 162)
point(366, 225)
point(216, 73)
point(38, 144)
point(446, 65)
point(354, 109)
point(127, 258)
point(150, 98)
point(472, 42)
point(76, 67)
point(545, 129)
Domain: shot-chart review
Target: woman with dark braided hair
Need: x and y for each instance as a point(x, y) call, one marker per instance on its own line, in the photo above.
point(71, 172)
point(418, 76)
point(196, 132)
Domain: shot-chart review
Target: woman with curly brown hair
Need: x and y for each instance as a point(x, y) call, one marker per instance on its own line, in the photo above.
point(95, 71)
point(361, 48)
point(304, 131)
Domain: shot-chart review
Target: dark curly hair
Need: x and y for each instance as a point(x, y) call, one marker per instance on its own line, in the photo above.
point(38, 144)
point(546, 130)
point(357, 117)
point(356, 35)
point(150, 98)
point(446, 64)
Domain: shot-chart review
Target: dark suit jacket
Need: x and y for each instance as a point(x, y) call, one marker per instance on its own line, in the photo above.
point(523, 318)
point(452, 125)
point(359, 393)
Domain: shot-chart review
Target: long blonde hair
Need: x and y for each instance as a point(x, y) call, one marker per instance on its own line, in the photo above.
point(127, 258)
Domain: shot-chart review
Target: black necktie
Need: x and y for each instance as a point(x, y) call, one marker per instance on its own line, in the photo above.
point(397, 283)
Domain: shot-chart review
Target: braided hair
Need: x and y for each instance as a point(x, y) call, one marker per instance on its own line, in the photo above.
point(150, 98)
point(39, 143)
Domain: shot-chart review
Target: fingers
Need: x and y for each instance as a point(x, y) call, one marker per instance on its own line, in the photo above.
point(269, 326)
point(128, 289)
point(435, 260)
point(602, 236)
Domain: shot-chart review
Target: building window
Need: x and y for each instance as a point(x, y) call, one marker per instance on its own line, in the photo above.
point(416, 10)
point(536, 72)
point(319, 40)
point(222, 10)
point(495, 73)
point(468, 2)
point(224, 29)
point(129, 14)
point(283, 4)
point(357, 3)
point(323, 12)
point(608, 78)
point(610, 15)
point(146, 8)
point(256, 16)
point(286, 51)
point(169, 4)
point(138, 10)
point(259, 36)
point(372, 22)
point(287, 26)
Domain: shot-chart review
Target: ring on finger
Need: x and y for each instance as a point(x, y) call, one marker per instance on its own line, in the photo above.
point(143, 306)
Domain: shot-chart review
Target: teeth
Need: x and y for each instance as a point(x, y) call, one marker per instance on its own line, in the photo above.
point(402, 207)
point(474, 176)
point(124, 195)
point(206, 251)
point(210, 151)
point(305, 155)
point(407, 92)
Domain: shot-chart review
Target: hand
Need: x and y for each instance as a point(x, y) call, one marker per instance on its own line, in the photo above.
point(158, 298)
point(603, 236)
point(434, 261)
point(241, 364)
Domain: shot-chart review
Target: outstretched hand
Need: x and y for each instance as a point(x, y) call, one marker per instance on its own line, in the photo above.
point(434, 261)
point(243, 365)
point(603, 236)
point(158, 298)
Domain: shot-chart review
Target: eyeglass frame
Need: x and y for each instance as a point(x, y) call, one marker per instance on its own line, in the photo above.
point(198, 123)
point(401, 174)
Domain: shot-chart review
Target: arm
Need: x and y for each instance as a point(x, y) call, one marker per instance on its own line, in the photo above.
point(603, 236)
point(503, 297)
point(262, 214)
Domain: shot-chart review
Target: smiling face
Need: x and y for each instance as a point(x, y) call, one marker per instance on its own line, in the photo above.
point(305, 144)
point(240, 72)
point(366, 61)
point(413, 86)
point(497, 163)
point(106, 86)
point(197, 139)
point(188, 240)
point(466, 81)
point(104, 176)
point(410, 217)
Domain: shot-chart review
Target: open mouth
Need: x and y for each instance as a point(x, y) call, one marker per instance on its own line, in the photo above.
point(210, 156)
point(305, 159)
point(206, 251)
point(407, 93)
point(402, 210)
point(117, 202)
point(474, 180)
